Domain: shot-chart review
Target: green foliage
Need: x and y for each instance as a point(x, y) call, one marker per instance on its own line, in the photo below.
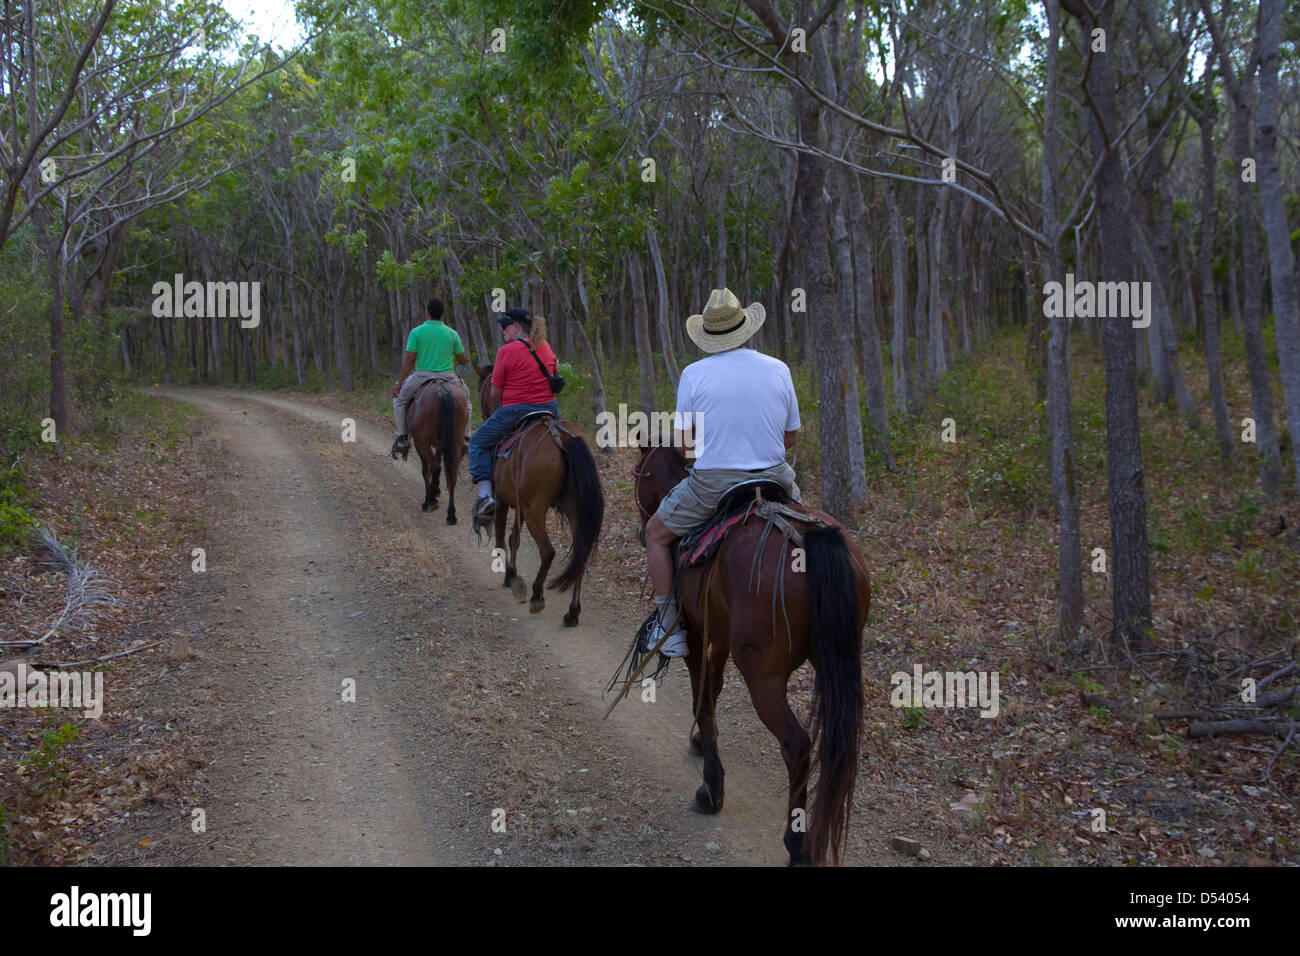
point(915, 717)
point(15, 523)
point(50, 757)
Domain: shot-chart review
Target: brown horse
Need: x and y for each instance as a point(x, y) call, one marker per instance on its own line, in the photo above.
point(436, 420)
point(730, 606)
point(547, 469)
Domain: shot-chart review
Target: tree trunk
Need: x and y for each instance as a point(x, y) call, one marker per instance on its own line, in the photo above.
point(1131, 584)
point(852, 414)
point(641, 320)
point(1281, 261)
point(873, 368)
point(1252, 279)
point(903, 394)
point(1065, 494)
point(665, 333)
point(1160, 318)
point(1205, 269)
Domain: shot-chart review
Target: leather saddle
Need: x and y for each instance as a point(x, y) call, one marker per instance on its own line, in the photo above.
point(554, 427)
point(740, 501)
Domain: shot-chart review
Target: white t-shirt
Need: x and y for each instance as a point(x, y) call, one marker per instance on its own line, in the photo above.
point(740, 403)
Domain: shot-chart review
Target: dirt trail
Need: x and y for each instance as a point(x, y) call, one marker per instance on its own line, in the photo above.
point(308, 533)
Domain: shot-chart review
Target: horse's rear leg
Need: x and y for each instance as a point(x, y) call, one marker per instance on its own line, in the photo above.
point(451, 488)
point(575, 602)
point(708, 798)
point(535, 518)
point(513, 581)
point(430, 479)
point(768, 692)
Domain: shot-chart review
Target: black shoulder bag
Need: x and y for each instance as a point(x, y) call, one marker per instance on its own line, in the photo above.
point(556, 381)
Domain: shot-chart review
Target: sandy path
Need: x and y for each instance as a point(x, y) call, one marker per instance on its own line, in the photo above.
point(306, 526)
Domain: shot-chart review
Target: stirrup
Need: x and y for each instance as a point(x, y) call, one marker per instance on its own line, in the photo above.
point(485, 510)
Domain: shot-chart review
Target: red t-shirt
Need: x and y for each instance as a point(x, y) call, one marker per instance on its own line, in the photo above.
point(517, 375)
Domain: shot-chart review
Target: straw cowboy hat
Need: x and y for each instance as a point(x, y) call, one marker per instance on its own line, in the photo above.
point(725, 324)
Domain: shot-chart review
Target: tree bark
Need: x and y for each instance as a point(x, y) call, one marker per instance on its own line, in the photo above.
point(1131, 586)
point(1286, 310)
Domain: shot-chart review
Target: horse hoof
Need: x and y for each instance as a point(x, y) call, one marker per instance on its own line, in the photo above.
point(425, 506)
point(570, 620)
point(704, 802)
point(535, 607)
point(520, 590)
point(451, 519)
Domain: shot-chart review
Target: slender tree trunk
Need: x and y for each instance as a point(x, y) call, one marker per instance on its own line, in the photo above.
point(1286, 309)
point(1205, 269)
point(641, 320)
point(1252, 279)
point(852, 414)
point(873, 368)
point(1065, 494)
point(1160, 318)
point(1131, 583)
point(665, 302)
point(924, 378)
point(903, 394)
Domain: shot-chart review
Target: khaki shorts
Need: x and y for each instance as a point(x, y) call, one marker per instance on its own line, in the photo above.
point(696, 496)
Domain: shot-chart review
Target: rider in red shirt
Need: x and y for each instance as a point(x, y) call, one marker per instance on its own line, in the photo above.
point(523, 387)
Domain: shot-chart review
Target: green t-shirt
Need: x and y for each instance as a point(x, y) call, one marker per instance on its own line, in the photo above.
point(435, 346)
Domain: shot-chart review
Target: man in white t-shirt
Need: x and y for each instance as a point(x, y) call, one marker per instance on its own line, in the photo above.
point(739, 408)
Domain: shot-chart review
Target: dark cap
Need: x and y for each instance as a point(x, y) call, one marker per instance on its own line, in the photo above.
point(522, 316)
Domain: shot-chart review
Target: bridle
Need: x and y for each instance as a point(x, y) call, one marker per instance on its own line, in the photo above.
point(640, 470)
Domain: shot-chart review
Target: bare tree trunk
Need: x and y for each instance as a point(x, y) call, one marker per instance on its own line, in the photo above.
point(1065, 493)
point(903, 377)
point(1286, 310)
point(1131, 583)
point(852, 414)
point(865, 302)
point(938, 288)
point(1205, 268)
point(665, 332)
point(823, 316)
point(1160, 318)
point(1252, 279)
point(641, 320)
point(924, 378)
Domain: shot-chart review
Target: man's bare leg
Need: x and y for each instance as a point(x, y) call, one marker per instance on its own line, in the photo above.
point(659, 558)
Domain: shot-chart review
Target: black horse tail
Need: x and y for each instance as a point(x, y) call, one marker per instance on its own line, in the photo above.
point(447, 436)
point(837, 688)
point(584, 507)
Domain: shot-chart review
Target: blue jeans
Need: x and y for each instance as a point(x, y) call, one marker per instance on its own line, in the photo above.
point(486, 437)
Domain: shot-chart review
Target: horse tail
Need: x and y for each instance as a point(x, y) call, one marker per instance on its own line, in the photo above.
point(447, 432)
point(837, 687)
point(584, 507)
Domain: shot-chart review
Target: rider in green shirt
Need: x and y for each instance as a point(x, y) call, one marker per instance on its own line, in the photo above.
point(432, 351)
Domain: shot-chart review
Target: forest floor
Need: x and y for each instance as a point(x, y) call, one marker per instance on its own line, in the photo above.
point(320, 567)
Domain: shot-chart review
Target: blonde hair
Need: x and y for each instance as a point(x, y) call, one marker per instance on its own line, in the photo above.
point(537, 330)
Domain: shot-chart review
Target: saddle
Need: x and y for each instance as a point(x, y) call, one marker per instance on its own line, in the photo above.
point(741, 500)
point(410, 406)
point(554, 427)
